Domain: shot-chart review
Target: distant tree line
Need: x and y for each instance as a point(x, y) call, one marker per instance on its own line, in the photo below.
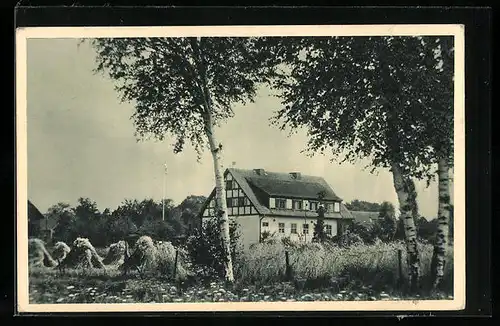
point(387, 228)
point(361, 205)
point(130, 217)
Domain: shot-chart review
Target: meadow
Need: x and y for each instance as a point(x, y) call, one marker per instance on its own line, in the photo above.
point(316, 272)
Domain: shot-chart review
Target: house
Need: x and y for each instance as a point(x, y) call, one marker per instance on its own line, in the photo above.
point(39, 225)
point(365, 218)
point(282, 204)
point(34, 220)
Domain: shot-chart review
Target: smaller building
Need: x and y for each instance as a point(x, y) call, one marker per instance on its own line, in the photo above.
point(34, 220)
point(365, 218)
point(39, 225)
point(279, 204)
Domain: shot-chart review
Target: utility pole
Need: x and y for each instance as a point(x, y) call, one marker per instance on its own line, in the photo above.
point(163, 197)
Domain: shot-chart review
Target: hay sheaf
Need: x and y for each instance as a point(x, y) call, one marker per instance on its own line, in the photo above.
point(116, 254)
point(38, 256)
point(153, 259)
point(60, 251)
point(83, 255)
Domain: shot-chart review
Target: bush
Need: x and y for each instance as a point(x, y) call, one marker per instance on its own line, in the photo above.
point(347, 238)
point(205, 249)
point(267, 236)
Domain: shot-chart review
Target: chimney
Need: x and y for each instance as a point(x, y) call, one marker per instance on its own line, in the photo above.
point(259, 171)
point(295, 175)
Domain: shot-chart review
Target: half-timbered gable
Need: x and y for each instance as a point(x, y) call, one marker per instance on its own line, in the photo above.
point(282, 203)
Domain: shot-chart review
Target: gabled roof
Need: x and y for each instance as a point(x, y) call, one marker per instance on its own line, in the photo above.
point(33, 213)
point(258, 188)
point(285, 185)
point(365, 217)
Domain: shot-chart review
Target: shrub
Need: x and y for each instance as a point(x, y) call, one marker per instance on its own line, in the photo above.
point(205, 249)
point(267, 236)
point(347, 238)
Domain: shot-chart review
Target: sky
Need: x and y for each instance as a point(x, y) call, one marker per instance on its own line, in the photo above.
point(81, 143)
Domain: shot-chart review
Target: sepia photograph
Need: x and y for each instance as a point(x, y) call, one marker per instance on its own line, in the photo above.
point(237, 169)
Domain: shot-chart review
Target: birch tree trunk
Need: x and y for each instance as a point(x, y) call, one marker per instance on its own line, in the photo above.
point(221, 203)
point(216, 150)
point(443, 222)
point(402, 191)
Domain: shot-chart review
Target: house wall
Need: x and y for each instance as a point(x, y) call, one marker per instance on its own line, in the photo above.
point(237, 202)
point(248, 228)
point(273, 227)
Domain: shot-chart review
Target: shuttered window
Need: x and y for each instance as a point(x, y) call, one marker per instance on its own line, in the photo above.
point(272, 203)
point(336, 207)
point(297, 204)
point(280, 203)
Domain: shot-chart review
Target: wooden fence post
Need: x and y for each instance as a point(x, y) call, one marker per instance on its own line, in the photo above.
point(175, 262)
point(288, 270)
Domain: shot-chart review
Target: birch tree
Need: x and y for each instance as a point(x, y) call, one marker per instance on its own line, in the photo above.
point(362, 97)
point(185, 87)
point(439, 99)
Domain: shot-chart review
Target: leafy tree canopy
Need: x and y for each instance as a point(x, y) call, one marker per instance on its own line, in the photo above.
point(169, 79)
point(383, 98)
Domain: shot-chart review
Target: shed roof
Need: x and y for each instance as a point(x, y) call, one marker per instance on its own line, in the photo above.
point(365, 217)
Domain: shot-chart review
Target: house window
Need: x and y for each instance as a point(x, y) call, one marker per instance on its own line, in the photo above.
point(305, 228)
point(297, 204)
point(293, 228)
point(229, 184)
point(281, 227)
point(329, 207)
point(232, 202)
point(280, 203)
point(313, 206)
point(336, 207)
point(241, 201)
point(265, 224)
point(328, 229)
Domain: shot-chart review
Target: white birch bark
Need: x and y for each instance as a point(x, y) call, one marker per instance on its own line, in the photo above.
point(221, 203)
point(401, 187)
point(441, 244)
point(216, 150)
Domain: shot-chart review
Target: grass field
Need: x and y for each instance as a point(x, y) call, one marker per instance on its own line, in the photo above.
point(360, 273)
